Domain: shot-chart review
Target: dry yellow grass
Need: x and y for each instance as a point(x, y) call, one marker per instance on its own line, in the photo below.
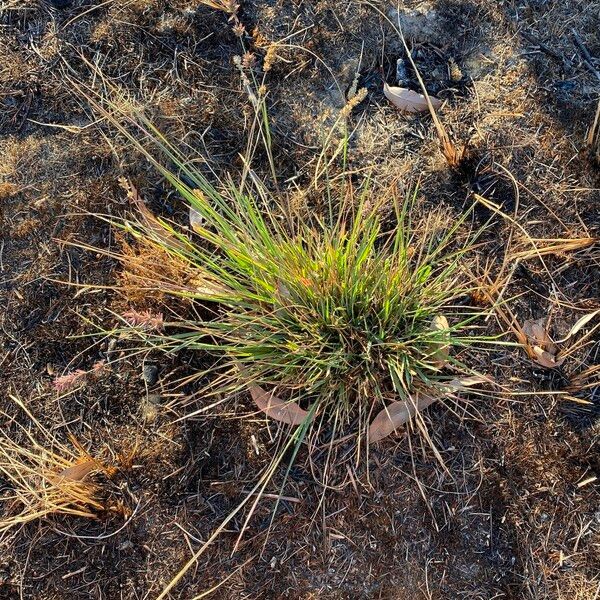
point(45, 476)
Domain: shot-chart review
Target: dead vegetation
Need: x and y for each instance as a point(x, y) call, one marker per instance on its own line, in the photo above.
point(45, 476)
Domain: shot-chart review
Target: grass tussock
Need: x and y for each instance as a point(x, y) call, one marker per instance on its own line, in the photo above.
point(345, 322)
point(329, 314)
point(45, 476)
point(337, 315)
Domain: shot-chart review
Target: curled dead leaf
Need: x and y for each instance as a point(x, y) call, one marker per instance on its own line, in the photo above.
point(579, 325)
point(276, 408)
point(408, 100)
point(547, 359)
point(397, 413)
point(440, 352)
point(535, 330)
point(539, 344)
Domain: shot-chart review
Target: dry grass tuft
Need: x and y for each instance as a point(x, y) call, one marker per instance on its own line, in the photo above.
point(149, 269)
point(7, 190)
point(45, 477)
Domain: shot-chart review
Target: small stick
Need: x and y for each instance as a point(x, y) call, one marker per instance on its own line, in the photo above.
point(587, 57)
point(586, 481)
point(544, 48)
point(594, 129)
point(280, 498)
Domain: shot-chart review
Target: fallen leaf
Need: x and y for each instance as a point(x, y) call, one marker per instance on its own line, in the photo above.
point(276, 408)
point(547, 359)
point(396, 414)
point(535, 330)
point(440, 352)
point(539, 345)
point(409, 101)
point(79, 471)
point(579, 325)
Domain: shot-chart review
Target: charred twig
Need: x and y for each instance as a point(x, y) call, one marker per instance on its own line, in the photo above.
point(544, 48)
point(585, 53)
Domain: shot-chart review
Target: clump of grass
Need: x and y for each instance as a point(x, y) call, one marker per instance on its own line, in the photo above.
point(326, 320)
point(338, 314)
point(335, 313)
point(45, 477)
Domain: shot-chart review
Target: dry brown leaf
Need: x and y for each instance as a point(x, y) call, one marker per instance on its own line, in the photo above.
point(547, 359)
point(539, 345)
point(276, 408)
point(535, 330)
point(409, 101)
point(394, 415)
point(79, 471)
point(440, 353)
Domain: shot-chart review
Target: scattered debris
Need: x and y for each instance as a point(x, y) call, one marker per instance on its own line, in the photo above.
point(585, 53)
point(402, 77)
point(545, 48)
point(457, 385)
point(587, 481)
point(423, 24)
point(579, 325)
point(150, 373)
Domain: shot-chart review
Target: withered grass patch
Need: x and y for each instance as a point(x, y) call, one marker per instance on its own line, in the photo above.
point(45, 476)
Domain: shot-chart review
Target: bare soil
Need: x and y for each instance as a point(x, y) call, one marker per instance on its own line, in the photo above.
point(507, 520)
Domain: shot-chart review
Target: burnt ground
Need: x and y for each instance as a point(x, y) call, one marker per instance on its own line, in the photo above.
point(508, 519)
